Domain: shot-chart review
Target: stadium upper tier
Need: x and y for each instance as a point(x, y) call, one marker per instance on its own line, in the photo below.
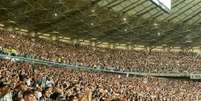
point(124, 60)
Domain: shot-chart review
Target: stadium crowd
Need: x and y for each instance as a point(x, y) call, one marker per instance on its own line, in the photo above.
point(123, 60)
point(21, 81)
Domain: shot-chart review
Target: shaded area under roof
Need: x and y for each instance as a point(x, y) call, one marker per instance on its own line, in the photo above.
point(123, 21)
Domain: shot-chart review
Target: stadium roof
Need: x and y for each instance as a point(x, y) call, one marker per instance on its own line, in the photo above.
point(123, 21)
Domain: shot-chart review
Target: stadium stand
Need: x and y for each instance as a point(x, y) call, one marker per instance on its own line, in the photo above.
point(33, 82)
point(100, 50)
point(21, 80)
point(123, 60)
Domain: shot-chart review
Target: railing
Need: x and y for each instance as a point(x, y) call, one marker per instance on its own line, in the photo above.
point(68, 66)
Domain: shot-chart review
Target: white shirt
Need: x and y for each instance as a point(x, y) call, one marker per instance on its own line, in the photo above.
point(49, 83)
point(38, 95)
point(7, 97)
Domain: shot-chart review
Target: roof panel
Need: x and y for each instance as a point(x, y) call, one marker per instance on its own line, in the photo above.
point(104, 19)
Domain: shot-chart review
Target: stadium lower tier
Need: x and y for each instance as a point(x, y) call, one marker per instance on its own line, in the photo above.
point(20, 81)
point(123, 60)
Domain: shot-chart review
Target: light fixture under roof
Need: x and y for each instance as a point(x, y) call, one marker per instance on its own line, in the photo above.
point(93, 38)
point(16, 28)
point(2, 25)
point(155, 24)
point(158, 33)
point(55, 32)
point(11, 21)
point(188, 41)
point(93, 10)
point(124, 19)
point(55, 14)
point(92, 24)
point(24, 30)
point(125, 30)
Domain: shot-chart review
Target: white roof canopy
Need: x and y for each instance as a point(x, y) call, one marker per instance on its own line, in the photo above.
point(163, 4)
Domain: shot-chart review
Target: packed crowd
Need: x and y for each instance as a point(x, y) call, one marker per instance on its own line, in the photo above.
point(124, 60)
point(21, 81)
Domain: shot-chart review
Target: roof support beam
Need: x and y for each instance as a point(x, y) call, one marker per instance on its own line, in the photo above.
point(95, 2)
point(191, 17)
point(197, 21)
point(109, 3)
point(184, 11)
point(130, 5)
point(115, 4)
point(135, 6)
point(184, 8)
point(144, 11)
